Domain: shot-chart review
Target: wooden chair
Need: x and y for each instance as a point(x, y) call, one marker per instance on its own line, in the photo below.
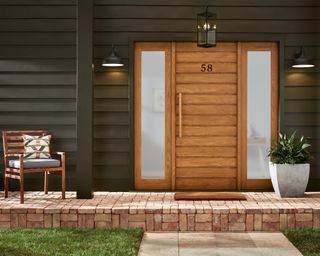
point(16, 166)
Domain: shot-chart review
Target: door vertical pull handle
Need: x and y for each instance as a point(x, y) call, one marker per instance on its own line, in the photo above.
point(180, 114)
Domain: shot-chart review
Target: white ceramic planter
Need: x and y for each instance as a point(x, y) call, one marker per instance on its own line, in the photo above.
point(289, 180)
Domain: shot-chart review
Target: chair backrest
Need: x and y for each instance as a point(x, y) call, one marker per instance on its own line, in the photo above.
point(13, 141)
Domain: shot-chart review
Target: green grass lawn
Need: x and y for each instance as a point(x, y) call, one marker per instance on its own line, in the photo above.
point(80, 242)
point(306, 240)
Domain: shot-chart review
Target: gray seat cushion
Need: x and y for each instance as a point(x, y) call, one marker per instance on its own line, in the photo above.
point(35, 163)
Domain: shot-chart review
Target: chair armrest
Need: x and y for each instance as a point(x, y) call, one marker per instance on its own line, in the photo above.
point(16, 155)
point(58, 153)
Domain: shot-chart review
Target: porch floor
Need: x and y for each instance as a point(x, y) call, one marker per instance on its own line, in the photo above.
point(153, 211)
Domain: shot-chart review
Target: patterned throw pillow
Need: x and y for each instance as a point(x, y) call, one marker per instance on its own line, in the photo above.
point(36, 146)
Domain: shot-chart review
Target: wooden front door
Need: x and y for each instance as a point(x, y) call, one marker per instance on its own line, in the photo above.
point(206, 131)
point(207, 120)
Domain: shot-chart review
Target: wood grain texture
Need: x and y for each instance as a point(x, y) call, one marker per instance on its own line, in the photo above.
point(208, 145)
point(206, 172)
point(274, 87)
point(209, 130)
point(204, 88)
point(206, 183)
point(140, 182)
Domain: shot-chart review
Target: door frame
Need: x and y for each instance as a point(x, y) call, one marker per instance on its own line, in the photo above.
point(258, 184)
point(153, 184)
point(225, 38)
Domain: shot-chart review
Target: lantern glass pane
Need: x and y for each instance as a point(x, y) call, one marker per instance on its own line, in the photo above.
point(206, 29)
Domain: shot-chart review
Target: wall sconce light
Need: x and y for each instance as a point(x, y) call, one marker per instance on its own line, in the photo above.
point(113, 60)
point(206, 29)
point(301, 61)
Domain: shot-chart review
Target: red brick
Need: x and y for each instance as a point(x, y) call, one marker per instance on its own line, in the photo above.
point(291, 220)
point(48, 220)
point(205, 217)
point(34, 224)
point(183, 223)
point(34, 217)
point(5, 217)
point(69, 224)
point(124, 220)
point(203, 226)
point(249, 222)
point(271, 226)
point(216, 222)
point(257, 222)
point(4, 224)
point(69, 217)
point(316, 220)
point(157, 222)
point(137, 224)
point(234, 217)
point(137, 217)
point(102, 224)
point(270, 217)
point(191, 222)
point(86, 220)
point(102, 217)
point(149, 222)
point(170, 218)
point(115, 220)
point(56, 220)
point(170, 226)
point(304, 224)
point(224, 222)
point(304, 217)
point(283, 221)
point(237, 226)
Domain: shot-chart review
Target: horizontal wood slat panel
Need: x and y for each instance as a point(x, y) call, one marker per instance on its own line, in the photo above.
point(211, 57)
point(206, 78)
point(208, 110)
point(204, 172)
point(184, 67)
point(206, 183)
point(192, 47)
point(206, 162)
point(208, 130)
point(207, 88)
point(207, 141)
point(15, 144)
point(223, 3)
point(206, 151)
point(206, 99)
point(227, 11)
point(206, 120)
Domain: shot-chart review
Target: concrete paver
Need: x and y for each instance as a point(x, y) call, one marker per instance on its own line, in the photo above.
point(216, 244)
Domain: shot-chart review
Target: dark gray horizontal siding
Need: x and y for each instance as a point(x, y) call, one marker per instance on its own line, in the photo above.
point(118, 21)
point(38, 65)
point(37, 76)
point(242, 3)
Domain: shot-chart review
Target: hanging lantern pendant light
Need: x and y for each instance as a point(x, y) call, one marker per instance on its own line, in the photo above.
point(206, 29)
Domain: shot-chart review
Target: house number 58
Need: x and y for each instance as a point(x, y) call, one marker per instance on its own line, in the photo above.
point(206, 68)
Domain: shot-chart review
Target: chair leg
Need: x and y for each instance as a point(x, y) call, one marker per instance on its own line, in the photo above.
point(6, 185)
point(63, 183)
point(46, 182)
point(21, 189)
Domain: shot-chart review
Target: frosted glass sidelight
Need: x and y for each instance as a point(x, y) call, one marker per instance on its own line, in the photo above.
point(258, 113)
point(153, 114)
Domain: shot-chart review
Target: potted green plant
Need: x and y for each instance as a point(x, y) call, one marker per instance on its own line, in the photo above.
point(289, 165)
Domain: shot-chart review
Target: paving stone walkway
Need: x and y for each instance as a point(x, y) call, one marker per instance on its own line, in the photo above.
point(216, 244)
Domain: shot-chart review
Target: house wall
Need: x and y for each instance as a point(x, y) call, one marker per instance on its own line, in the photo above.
point(38, 75)
point(38, 79)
